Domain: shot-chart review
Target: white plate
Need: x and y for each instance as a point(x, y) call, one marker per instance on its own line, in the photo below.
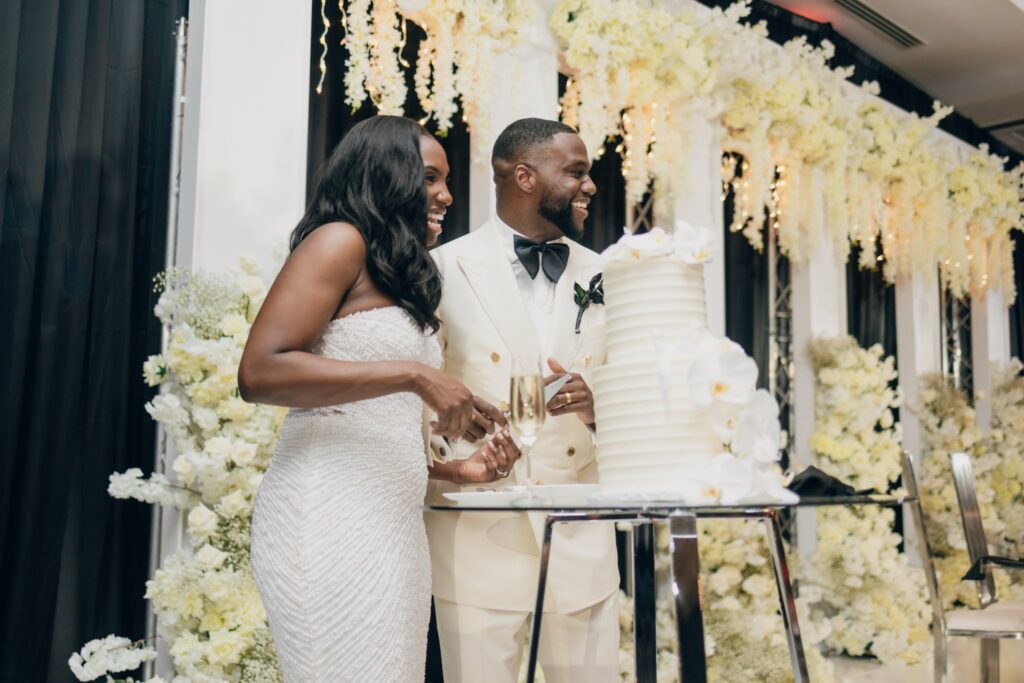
point(570, 495)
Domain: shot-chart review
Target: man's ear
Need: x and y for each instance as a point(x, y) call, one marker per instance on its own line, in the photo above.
point(525, 179)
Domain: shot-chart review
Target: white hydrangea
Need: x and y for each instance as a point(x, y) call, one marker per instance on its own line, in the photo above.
point(108, 655)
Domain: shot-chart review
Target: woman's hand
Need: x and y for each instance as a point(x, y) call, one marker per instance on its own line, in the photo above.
point(489, 463)
point(449, 399)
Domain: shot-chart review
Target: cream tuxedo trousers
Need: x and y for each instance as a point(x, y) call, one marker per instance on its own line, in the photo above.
point(486, 646)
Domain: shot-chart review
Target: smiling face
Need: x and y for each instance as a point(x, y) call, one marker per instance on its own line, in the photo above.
point(435, 167)
point(562, 172)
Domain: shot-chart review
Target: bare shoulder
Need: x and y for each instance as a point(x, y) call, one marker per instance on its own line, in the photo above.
point(334, 240)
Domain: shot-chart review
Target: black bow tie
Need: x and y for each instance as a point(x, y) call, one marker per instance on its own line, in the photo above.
point(551, 257)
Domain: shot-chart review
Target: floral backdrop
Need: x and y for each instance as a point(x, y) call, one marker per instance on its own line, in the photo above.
point(809, 151)
point(858, 594)
point(208, 609)
point(858, 580)
point(948, 425)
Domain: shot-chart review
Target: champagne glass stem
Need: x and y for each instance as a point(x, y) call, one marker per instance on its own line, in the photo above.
point(525, 448)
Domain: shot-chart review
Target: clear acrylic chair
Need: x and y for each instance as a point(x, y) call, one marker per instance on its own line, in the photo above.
point(992, 622)
point(996, 619)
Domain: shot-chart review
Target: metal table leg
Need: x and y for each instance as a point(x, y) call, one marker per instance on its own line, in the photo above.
point(686, 582)
point(538, 609)
point(786, 597)
point(644, 604)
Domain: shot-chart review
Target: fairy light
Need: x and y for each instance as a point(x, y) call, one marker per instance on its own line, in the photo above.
point(401, 48)
point(323, 45)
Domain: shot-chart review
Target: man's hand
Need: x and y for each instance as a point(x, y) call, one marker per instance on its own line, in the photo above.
point(575, 396)
point(490, 462)
point(485, 417)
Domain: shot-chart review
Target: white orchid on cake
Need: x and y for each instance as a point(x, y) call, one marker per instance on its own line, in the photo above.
point(722, 383)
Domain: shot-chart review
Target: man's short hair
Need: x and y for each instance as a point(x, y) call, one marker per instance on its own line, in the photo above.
point(519, 136)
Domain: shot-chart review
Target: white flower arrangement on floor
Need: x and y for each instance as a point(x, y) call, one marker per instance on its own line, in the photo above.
point(1007, 479)
point(948, 425)
point(209, 611)
point(858, 580)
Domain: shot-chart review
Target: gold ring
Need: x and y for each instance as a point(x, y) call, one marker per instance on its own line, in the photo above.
point(568, 398)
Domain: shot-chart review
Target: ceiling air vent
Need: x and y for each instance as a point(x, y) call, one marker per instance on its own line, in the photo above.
point(879, 23)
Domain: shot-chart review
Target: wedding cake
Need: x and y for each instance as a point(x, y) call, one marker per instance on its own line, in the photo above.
point(678, 412)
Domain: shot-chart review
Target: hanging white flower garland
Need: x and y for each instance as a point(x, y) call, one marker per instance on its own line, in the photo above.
point(852, 168)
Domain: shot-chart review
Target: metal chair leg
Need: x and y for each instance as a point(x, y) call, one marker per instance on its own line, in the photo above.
point(787, 599)
point(686, 585)
point(989, 660)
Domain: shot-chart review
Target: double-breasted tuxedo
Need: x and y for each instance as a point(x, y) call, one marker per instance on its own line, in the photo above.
point(491, 560)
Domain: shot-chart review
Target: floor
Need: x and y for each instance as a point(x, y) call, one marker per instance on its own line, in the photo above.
point(964, 666)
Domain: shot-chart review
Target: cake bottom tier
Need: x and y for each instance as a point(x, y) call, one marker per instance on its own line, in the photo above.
point(649, 434)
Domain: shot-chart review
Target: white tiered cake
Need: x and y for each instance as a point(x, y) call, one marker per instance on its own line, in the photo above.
point(655, 310)
point(671, 399)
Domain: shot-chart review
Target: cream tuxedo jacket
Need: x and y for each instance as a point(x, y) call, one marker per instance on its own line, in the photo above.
point(492, 560)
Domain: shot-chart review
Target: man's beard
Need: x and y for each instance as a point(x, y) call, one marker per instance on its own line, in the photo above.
point(559, 212)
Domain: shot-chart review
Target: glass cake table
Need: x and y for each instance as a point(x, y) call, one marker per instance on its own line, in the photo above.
point(681, 518)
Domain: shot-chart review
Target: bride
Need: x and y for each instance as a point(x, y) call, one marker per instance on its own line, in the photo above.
point(346, 339)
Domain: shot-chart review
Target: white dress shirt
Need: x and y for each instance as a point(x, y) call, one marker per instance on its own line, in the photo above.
point(538, 292)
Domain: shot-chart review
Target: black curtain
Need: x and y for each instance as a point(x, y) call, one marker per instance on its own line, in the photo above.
point(1017, 309)
point(746, 295)
point(85, 97)
point(870, 306)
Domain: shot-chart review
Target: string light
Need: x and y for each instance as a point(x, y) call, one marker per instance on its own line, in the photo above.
point(323, 44)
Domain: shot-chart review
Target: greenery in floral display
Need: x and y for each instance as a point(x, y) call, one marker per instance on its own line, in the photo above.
point(948, 425)
point(209, 611)
point(858, 579)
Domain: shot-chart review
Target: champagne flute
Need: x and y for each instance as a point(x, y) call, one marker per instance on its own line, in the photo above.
point(528, 409)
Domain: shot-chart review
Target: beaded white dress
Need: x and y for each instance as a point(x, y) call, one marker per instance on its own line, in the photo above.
point(339, 549)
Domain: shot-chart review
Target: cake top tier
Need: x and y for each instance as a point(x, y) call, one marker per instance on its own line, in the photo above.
point(687, 243)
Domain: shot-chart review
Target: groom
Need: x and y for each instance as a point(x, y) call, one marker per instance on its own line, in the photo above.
point(509, 294)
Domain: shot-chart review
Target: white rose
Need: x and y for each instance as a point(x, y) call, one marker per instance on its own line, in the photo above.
point(235, 504)
point(252, 286)
point(154, 370)
point(243, 453)
point(206, 418)
point(248, 264)
point(218, 448)
point(233, 323)
point(224, 647)
point(209, 557)
point(202, 522)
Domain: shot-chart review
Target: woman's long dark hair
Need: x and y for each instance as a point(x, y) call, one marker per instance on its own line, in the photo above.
point(374, 180)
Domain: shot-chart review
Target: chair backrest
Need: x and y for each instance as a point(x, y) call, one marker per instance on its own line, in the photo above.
point(974, 530)
point(930, 577)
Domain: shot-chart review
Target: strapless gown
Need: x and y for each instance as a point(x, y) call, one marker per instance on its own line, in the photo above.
point(339, 549)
